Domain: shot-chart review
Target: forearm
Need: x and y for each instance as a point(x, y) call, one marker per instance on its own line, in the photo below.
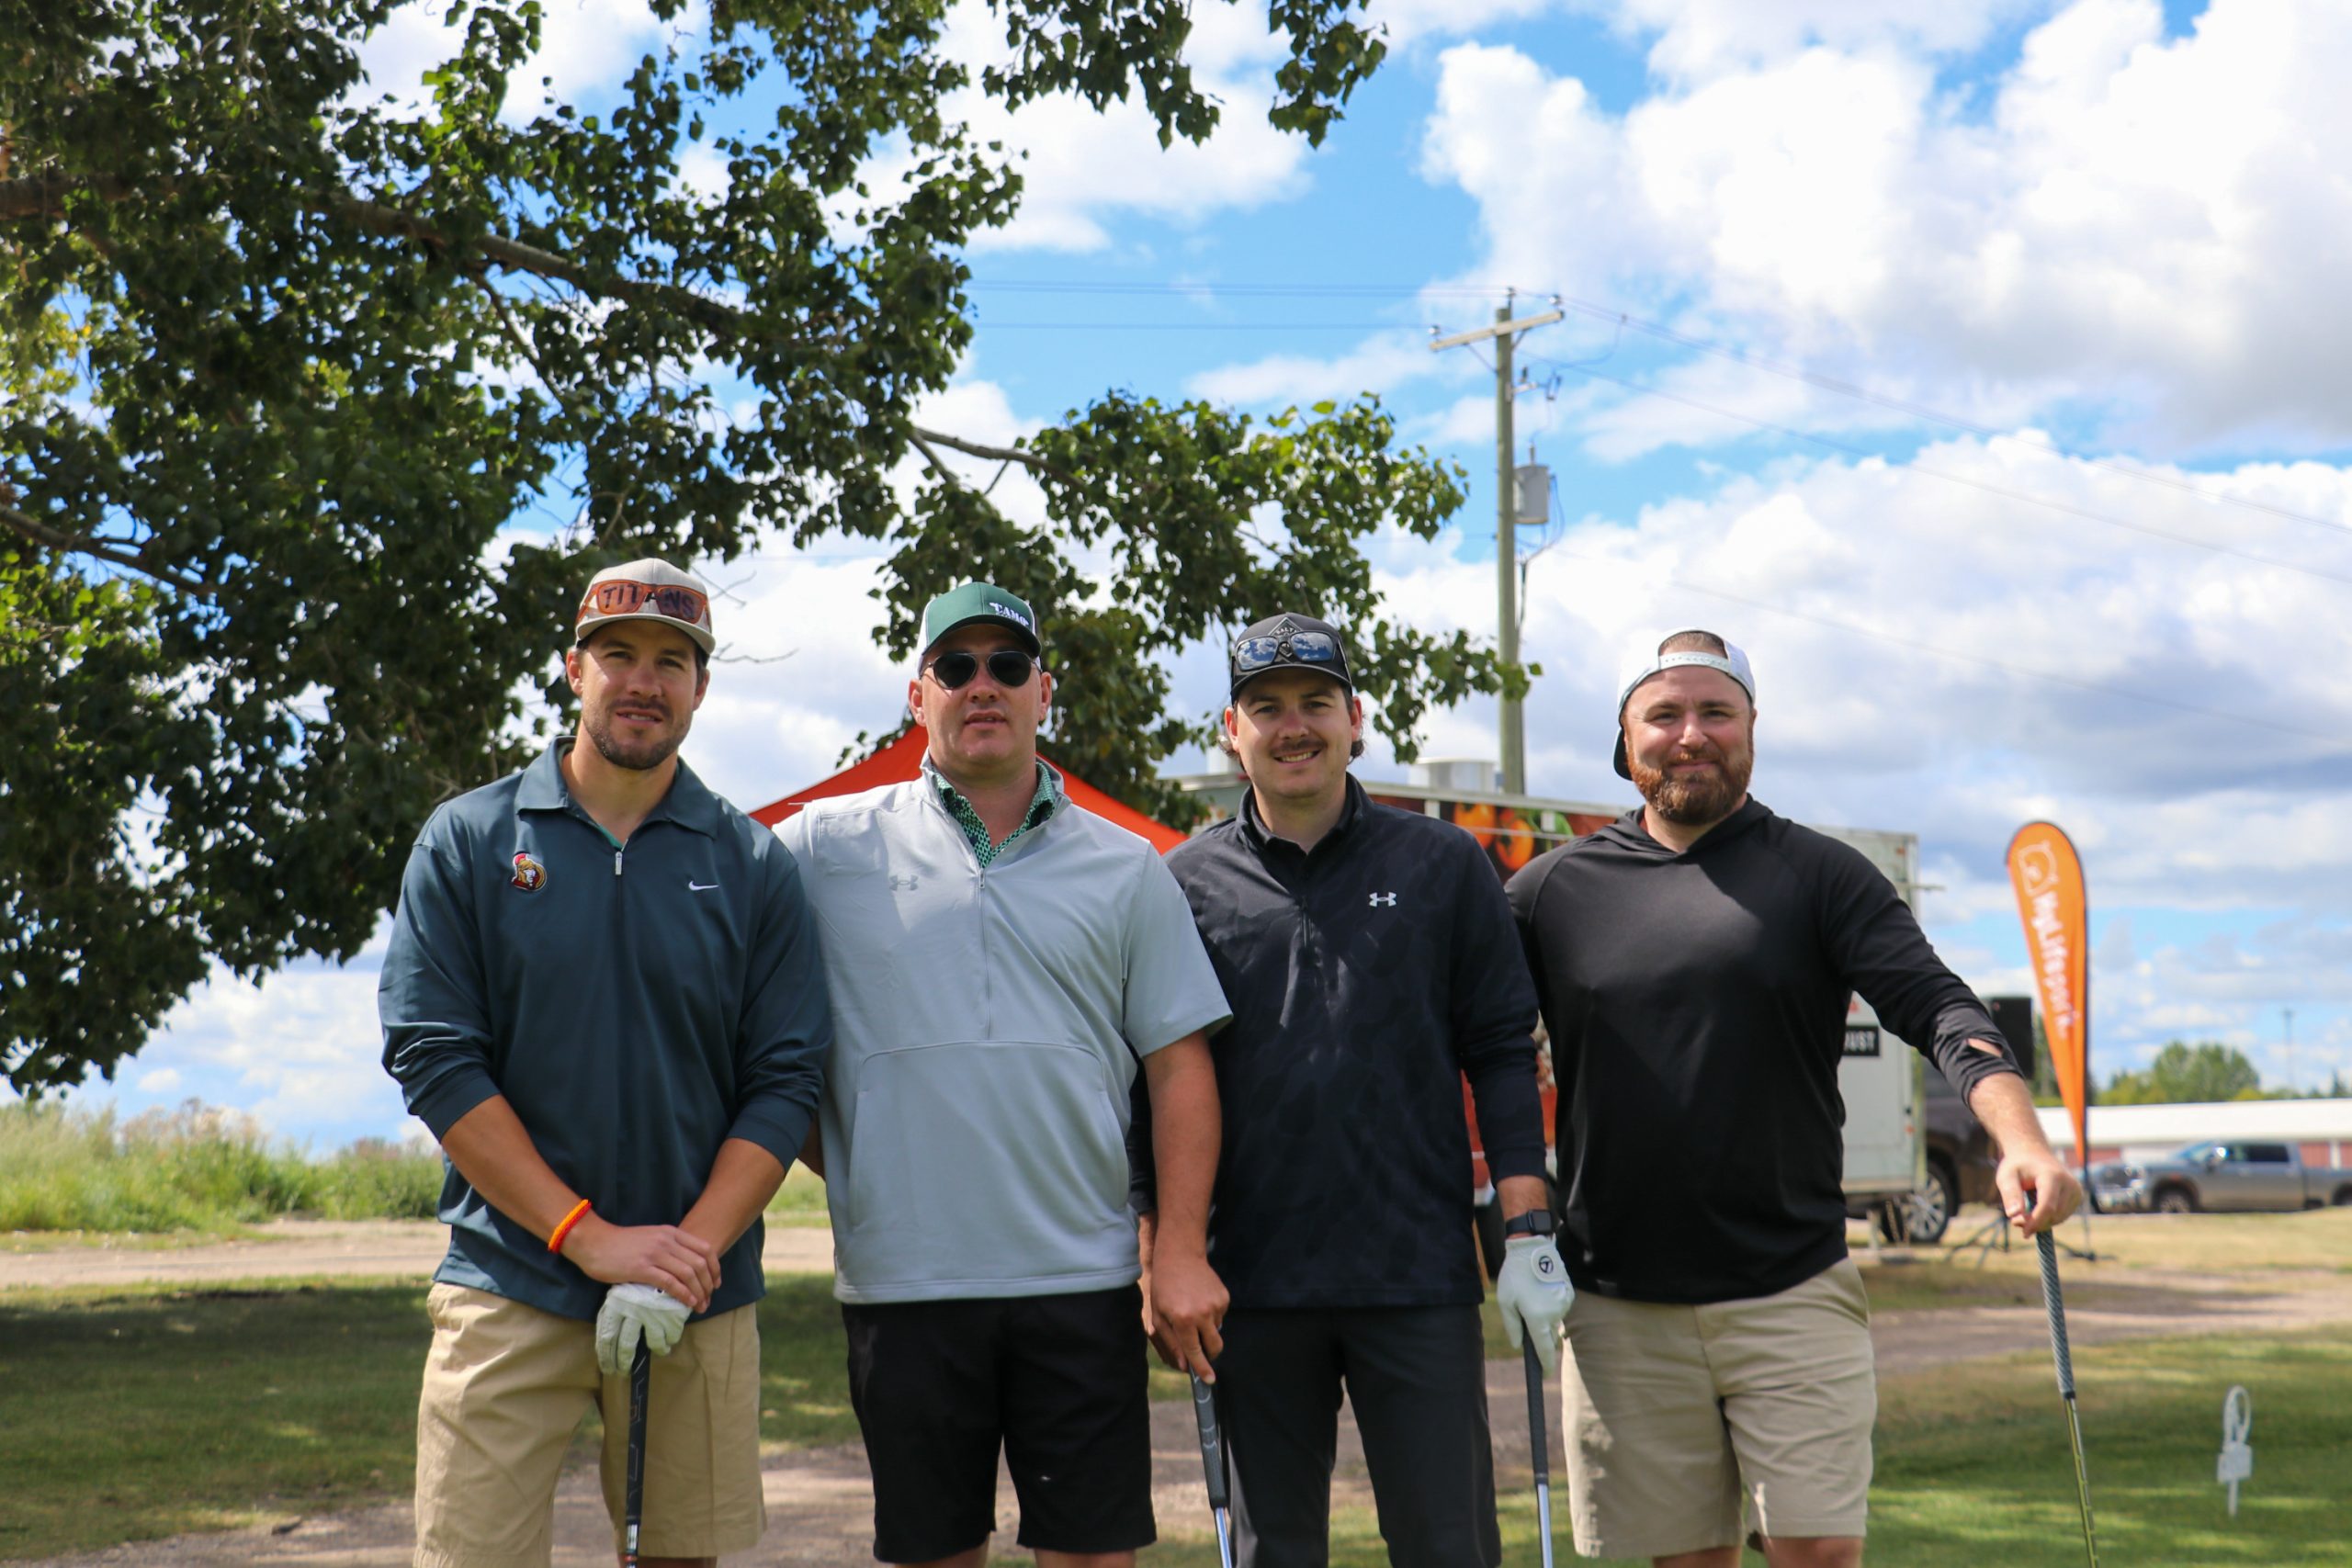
point(1520, 1195)
point(1186, 1138)
point(742, 1179)
point(2005, 1106)
point(493, 1152)
point(1509, 1107)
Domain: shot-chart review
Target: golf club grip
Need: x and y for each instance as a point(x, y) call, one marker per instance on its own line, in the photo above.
point(1212, 1446)
point(1538, 1438)
point(640, 1380)
point(2055, 1302)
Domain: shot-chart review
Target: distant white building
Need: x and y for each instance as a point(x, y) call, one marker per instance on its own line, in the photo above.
point(2321, 1127)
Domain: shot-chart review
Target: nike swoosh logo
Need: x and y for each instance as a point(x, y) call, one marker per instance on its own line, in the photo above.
point(694, 886)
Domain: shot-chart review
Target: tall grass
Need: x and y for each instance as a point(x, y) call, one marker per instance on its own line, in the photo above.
point(194, 1168)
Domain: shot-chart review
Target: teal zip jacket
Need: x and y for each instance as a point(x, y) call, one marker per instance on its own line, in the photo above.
point(636, 1005)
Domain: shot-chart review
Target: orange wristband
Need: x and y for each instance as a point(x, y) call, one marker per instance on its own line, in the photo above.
point(555, 1242)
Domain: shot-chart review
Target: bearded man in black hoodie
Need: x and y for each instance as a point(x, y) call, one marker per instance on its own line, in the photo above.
point(1694, 961)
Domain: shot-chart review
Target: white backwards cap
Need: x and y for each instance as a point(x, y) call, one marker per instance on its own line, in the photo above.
point(1646, 660)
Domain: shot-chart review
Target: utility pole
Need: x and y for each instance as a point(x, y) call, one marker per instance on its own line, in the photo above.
point(1504, 333)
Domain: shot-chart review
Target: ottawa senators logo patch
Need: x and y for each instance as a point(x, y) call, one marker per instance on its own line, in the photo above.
point(529, 875)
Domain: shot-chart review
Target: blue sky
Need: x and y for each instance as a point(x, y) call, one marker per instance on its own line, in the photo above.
point(2109, 235)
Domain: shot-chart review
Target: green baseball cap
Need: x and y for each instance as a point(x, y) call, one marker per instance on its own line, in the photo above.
point(980, 601)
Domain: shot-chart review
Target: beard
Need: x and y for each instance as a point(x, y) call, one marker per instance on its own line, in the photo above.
point(1694, 800)
point(641, 755)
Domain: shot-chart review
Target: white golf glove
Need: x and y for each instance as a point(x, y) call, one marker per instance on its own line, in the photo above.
point(1535, 1293)
point(631, 1313)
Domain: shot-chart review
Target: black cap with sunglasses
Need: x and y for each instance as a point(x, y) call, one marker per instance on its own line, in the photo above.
point(1290, 642)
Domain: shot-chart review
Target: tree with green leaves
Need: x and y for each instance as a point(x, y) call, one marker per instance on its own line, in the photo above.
point(2184, 1073)
point(318, 409)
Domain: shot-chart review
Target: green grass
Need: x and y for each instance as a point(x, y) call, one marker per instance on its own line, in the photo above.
point(801, 1201)
point(132, 1414)
point(194, 1169)
point(136, 1414)
point(2319, 1240)
point(1974, 1467)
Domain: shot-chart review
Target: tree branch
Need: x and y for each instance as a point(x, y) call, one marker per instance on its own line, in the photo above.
point(931, 455)
point(106, 550)
point(44, 195)
point(1027, 459)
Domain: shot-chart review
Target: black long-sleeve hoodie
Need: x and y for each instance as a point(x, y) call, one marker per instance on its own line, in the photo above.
point(1697, 1005)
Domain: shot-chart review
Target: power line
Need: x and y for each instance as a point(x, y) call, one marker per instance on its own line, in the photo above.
point(1956, 654)
point(992, 325)
point(2004, 492)
point(1658, 329)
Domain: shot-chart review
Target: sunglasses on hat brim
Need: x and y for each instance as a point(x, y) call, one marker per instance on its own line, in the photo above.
point(1255, 653)
point(1008, 667)
point(624, 596)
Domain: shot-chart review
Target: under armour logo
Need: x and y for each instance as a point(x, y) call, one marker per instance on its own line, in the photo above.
point(1380, 898)
point(902, 884)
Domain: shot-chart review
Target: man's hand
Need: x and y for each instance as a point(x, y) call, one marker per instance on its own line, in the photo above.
point(680, 1264)
point(1533, 1293)
point(2037, 1189)
point(631, 1313)
point(1184, 1310)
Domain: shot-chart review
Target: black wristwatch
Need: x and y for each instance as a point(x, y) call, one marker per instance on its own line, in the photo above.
point(1535, 1222)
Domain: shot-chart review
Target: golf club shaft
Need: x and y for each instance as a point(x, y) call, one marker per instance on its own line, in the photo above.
point(1539, 1442)
point(640, 1378)
point(1213, 1466)
point(2055, 1300)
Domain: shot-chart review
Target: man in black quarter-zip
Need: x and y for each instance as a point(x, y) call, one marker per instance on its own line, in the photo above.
point(1695, 959)
point(1369, 959)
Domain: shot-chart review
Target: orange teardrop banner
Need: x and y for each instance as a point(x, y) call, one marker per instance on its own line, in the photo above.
point(2047, 876)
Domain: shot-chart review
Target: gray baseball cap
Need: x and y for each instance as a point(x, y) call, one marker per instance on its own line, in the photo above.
point(1646, 659)
point(647, 590)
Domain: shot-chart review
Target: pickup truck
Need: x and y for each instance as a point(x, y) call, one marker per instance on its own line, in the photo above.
point(2221, 1177)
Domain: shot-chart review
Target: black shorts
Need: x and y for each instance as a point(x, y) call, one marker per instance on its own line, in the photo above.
point(1056, 1382)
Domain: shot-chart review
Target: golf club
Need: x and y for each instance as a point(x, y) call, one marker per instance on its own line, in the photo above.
point(2052, 1299)
point(1213, 1467)
point(640, 1375)
point(1537, 1440)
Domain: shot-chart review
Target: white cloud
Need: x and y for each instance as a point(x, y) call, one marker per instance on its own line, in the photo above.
point(2129, 219)
point(1080, 167)
point(1378, 364)
point(1696, 38)
point(1923, 652)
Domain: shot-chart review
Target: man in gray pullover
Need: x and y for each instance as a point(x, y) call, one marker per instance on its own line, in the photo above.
point(1001, 961)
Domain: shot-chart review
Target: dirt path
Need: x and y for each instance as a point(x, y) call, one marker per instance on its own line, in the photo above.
point(820, 1507)
point(287, 1249)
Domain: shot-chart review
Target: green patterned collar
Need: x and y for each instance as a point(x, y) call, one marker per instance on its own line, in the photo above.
point(1042, 807)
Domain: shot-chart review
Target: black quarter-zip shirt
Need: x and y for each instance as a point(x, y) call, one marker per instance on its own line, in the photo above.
point(1365, 976)
point(1696, 1005)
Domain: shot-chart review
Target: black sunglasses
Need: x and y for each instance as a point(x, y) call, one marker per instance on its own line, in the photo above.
point(1008, 667)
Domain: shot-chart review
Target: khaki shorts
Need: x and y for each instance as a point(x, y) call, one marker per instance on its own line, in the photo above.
point(506, 1384)
point(1677, 1417)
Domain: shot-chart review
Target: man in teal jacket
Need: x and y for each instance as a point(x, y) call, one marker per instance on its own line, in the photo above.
point(602, 996)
